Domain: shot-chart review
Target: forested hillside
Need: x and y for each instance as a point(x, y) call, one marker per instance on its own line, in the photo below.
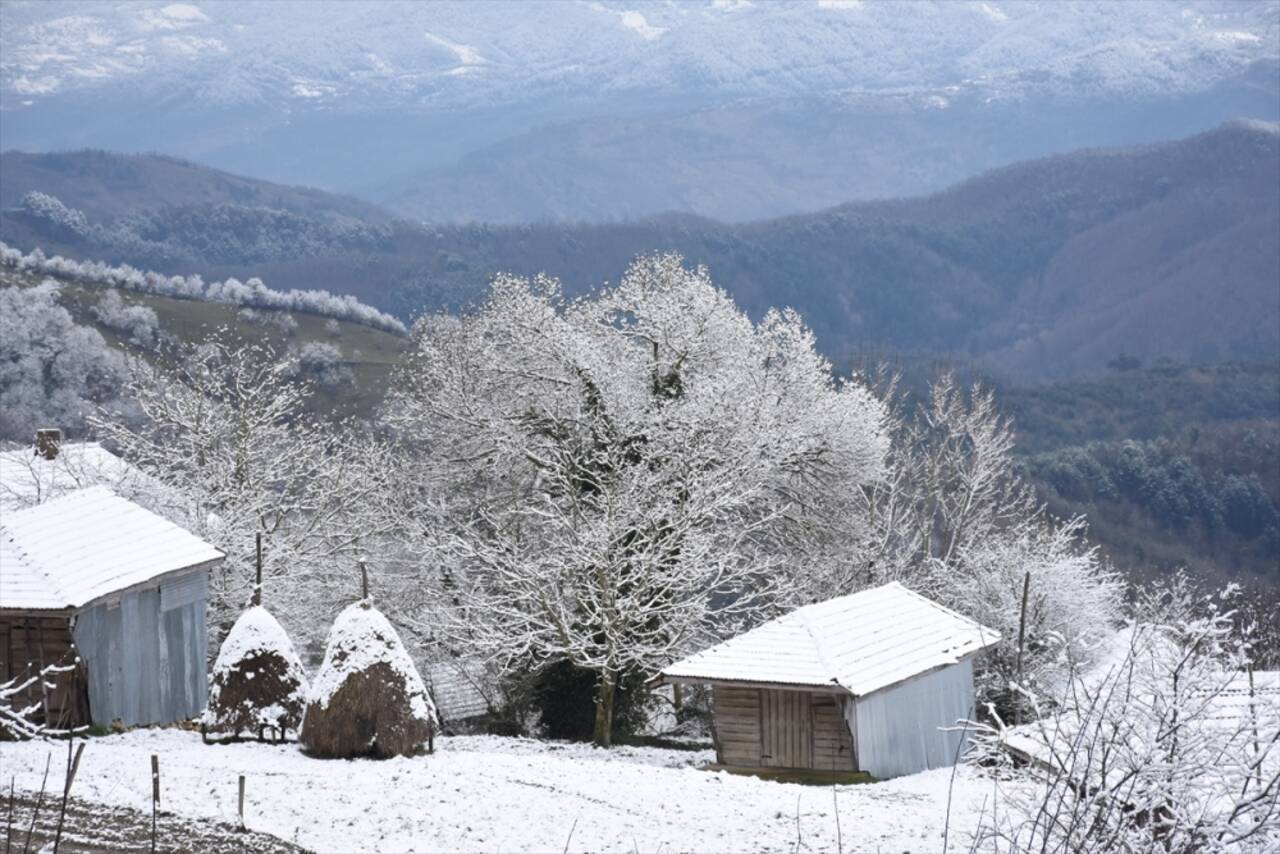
point(1047, 269)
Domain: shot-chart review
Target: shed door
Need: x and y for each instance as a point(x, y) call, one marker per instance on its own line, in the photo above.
point(786, 732)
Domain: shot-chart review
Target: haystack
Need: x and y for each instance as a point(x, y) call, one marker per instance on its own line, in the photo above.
point(368, 699)
point(257, 682)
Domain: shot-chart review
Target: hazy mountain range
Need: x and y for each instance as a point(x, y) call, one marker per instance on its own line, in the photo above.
point(1044, 269)
point(595, 111)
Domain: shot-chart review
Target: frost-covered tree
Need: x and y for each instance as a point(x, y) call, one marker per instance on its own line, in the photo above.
point(614, 477)
point(52, 371)
point(137, 323)
point(1165, 745)
point(224, 425)
point(954, 520)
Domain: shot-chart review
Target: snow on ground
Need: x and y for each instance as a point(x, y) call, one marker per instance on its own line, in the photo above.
point(484, 793)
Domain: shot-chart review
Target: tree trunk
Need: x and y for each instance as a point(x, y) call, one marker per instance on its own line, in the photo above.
point(603, 735)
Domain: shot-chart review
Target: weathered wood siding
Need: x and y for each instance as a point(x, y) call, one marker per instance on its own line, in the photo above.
point(832, 743)
point(30, 641)
point(736, 717)
point(773, 728)
point(145, 652)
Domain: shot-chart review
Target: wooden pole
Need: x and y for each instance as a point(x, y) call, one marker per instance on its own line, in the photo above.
point(1022, 633)
point(364, 581)
point(242, 802)
point(155, 796)
point(257, 583)
point(8, 822)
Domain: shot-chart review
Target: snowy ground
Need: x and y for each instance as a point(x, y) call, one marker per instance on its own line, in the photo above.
point(485, 793)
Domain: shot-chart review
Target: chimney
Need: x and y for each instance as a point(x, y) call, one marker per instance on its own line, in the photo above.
point(47, 441)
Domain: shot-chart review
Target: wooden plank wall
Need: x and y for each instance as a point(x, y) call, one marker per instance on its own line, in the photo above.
point(736, 713)
point(786, 724)
point(29, 642)
point(832, 743)
point(773, 728)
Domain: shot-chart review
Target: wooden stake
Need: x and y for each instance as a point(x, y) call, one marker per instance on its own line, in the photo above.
point(364, 581)
point(8, 823)
point(242, 802)
point(257, 584)
point(155, 796)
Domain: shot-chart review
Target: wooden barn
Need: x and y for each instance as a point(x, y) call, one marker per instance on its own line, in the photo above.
point(127, 587)
point(870, 682)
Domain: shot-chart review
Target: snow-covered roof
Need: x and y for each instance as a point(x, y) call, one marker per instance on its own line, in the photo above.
point(861, 643)
point(67, 552)
point(455, 692)
point(27, 479)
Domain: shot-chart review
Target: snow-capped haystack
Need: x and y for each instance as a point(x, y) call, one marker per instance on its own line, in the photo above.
point(257, 681)
point(368, 699)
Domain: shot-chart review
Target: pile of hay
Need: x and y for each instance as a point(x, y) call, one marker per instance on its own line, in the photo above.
point(257, 681)
point(368, 699)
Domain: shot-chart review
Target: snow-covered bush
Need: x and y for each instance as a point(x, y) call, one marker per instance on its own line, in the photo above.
point(252, 294)
point(1164, 745)
point(257, 680)
point(138, 323)
point(20, 710)
point(278, 320)
point(368, 698)
point(52, 371)
point(322, 363)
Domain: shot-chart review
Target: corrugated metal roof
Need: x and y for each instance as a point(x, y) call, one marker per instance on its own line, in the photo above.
point(72, 550)
point(862, 643)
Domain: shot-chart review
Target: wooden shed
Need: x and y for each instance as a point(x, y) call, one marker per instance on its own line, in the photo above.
point(870, 682)
point(127, 587)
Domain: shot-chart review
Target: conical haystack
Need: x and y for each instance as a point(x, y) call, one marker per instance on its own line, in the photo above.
point(368, 699)
point(257, 681)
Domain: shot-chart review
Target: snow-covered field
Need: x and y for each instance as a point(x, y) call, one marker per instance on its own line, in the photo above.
point(485, 793)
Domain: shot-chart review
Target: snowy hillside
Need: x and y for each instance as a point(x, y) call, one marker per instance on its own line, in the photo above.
point(481, 55)
point(735, 110)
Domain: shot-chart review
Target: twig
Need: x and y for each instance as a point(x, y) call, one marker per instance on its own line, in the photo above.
point(575, 821)
point(946, 823)
point(797, 822)
point(73, 765)
point(26, 846)
point(835, 805)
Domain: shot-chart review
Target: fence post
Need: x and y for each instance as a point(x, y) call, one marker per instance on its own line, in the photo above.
point(242, 802)
point(155, 796)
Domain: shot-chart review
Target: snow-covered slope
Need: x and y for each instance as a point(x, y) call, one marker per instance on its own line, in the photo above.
point(735, 110)
point(480, 54)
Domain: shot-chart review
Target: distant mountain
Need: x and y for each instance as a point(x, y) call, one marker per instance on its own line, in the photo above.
point(608, 110)
point(104, 185)
point(754, 160)
point(1045, 269)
